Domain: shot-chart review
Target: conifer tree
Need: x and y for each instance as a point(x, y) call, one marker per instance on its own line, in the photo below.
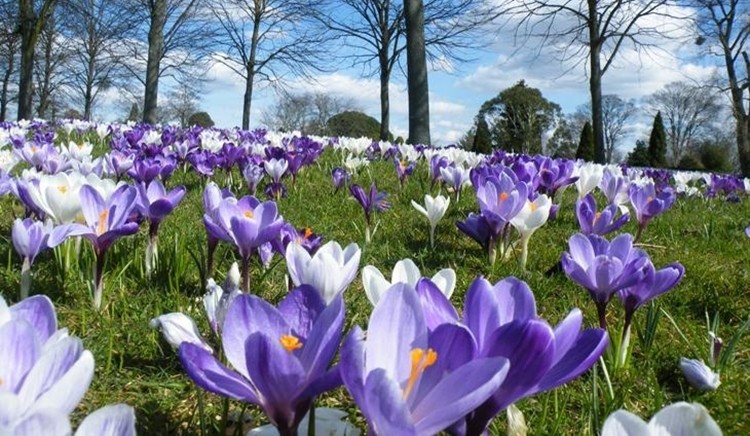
point(585, 149)
point(657, 144)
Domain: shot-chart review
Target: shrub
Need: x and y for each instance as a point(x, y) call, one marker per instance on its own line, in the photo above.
point(354, 124)
point(639, 156)
point(201, 119)
point(482, 143)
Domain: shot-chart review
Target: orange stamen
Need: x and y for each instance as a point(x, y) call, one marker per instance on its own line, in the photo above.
point(503, 196)
point(290, 343)
point(419, 362)
point(248, 214)
point(102, 227)
point(308, 232)
point(62, 188)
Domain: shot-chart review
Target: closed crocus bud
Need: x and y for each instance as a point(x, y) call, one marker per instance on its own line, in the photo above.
point(699, 375)
point(178, 328)
point(330, 270)
point(516, 422)
point(327, 422)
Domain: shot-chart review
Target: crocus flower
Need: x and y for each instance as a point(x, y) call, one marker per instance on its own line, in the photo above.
point(340, 176)
point(403, 170)
point(599, 223)
point(44, 370)
point(589, 175)
point(457, 177)
point(405, 271)
point(276, 169)
point(155, 203)
point(280, 355)
point(603, 268)
point(699, 375)
point(218, 298)
point(615, 188)
point(249, 223)
point(212, 197)
point(533, 215)
point(478, 229)
point(253, 175)
point(328, 422)
point(434, 208)
point(655, 283)
point(373, 201)
point(29, 239)
point(675, 419)
point(503, 321)
point(437, 163)
point(330, 270)
point(648, 204)
point(106, 222)
point(176, 327)
point(407, 380)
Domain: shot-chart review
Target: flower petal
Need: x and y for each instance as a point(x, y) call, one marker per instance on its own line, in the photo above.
point(208, 373)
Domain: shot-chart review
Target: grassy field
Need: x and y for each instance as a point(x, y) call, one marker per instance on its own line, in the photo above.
point(136, 366)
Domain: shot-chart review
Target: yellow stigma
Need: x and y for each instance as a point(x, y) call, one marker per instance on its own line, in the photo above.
point(649, 199)
point(420, 360)
point(248, 214)
point(597, 215)
point(503, 196)
point(308, 232)
point(534, 207)
point(102, 227)
point(290, 343)
point(62, 188)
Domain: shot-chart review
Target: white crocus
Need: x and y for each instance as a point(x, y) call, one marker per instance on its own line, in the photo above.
point(57, 196)
point(330, 270)
point(328, 422)
point(699, 375)
point(178, 328)
point(276, 168)
point(405, 271)
point(434, 209)
point(353, 163)
point(680, 418)
point(218, 298)
point(589, 175)
point(533, 215)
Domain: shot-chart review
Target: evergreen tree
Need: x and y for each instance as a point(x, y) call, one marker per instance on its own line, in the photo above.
point(585, 149)
point(482, 143)
point(134, 114)
point(202, 119)
point(657, 144)
point(639, 156)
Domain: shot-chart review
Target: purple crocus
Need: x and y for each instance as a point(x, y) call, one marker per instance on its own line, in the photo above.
point(373, 201)
point(456, 177)
point(155, 203)
point(598, 223)
point(603, 267)
point(408, 380)
point(403, 170)
point(29, 239)
point(478, 229)
point(437, 163)
point(654, 284)
point(340, 177)
point(647, 203)
point(249, 223)
point(281, 356)
point(212, 197)
point(253, 175)
point(106, 222)
point(502, 319)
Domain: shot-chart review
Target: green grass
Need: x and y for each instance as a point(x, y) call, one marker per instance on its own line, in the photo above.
point(134, 365)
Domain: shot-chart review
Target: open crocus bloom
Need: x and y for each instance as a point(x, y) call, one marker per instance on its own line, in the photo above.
point(280, 355)
point(699, 375)
point(405, 271)
point(330, 270)
point(676, 419)
point(407, 380)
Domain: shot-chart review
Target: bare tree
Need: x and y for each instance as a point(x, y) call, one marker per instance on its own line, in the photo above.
point(31, 21)
point(616, 113)
point(182, 101)
point(96, 29)
point(688, 111)
point(10, 43)
point(306, 112)
point(724, 26)
point(178, 42)
point(265, 40)
point(375, 31)
point(51, 68)
point(595, 30)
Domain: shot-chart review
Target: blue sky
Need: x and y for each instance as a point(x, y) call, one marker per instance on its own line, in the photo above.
point(455, 97)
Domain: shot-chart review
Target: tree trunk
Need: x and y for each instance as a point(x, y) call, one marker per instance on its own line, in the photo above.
point(6, 83)
point(88, 95)
point(742, 116)
point(45, 90)
point(26, 79)
point(416, 67)
point(595, 83)
point(155, 51)
point(247, 101)
point(385, 101)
